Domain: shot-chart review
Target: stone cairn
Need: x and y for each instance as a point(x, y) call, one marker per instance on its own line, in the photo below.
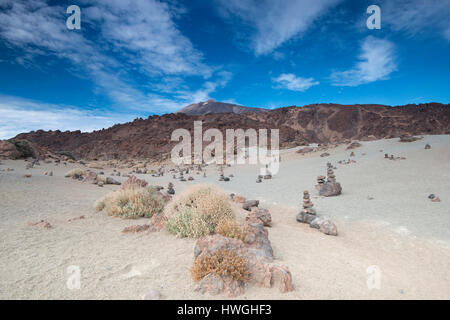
point(170, 189)
point(308, 215)
point(329, 187)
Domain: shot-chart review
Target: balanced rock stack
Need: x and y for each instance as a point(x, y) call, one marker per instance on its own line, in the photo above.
point(320, 182)
point(170, 189)
point(331, 177)
point(308, 214)
point(330, 187)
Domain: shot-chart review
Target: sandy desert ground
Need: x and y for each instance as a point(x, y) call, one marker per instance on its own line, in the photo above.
point(400, 230)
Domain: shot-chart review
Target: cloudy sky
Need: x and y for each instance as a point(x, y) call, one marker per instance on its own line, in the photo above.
point(136, 58)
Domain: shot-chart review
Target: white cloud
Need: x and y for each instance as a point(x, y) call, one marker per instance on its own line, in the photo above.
point(272, 23)
point(145, 32)
point(22, 115)
point(447, 34)
point(291, 82)
point(414, 17)
point(377, 62)
point(134, 37)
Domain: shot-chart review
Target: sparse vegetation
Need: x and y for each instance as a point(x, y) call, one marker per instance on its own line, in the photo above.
point(221, 263)
point(94, 165)
point(99, 204)
point(67, 154)
point(132, 203)
point(74, 173)
point(24, 148)
point(231, 229)
point(197, 211)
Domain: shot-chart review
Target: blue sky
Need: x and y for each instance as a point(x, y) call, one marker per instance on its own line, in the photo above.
point(136, 58)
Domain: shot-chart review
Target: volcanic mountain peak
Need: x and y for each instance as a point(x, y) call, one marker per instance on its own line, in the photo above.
point(212, 106)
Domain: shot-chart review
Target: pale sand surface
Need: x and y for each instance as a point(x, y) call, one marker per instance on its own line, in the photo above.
point(401, 231)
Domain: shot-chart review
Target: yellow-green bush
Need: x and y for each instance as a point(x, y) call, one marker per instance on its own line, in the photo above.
point(132, 203)
point(197, 211)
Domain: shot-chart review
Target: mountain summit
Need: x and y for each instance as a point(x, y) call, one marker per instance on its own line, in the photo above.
point(212, 106)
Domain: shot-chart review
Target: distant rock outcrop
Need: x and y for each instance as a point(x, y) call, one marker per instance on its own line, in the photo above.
point(298, 126)
point(212, 106)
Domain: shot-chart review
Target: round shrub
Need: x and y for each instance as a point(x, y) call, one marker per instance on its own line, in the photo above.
point(197, 211)
point(132, 203)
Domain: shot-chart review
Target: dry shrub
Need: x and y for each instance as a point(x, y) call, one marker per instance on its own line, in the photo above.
point(133, 183)
point(132, 203)
point(230, 229)
point(197, 211)
point(74, 173)
point(221, 263)
point(94, 165)
point(99, 205)
point(100, 178)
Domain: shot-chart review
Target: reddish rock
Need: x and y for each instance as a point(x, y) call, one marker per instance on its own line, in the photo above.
point(157, 222)
point(76, 218)
point(262, 272)
point(282, 278)
point(239, 199)
point(215, 285)
point(42, 224)
point(136, 228)
point(257, 238)
point(258, 214)
point(9, 151)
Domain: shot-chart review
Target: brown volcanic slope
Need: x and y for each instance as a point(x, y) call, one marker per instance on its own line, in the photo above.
point(212, 106)
point(320, 123)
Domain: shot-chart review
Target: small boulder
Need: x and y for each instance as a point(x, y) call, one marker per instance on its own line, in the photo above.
point(136, 228)
point(249, 204)
point(258, 214)
point(43, 224)
point(110, 180)
point(76, 218)
point(330, 189)
point(238, 199)
point(305, 217)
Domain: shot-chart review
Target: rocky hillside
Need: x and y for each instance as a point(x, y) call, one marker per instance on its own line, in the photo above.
point(319, 123)
point(212, 106)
